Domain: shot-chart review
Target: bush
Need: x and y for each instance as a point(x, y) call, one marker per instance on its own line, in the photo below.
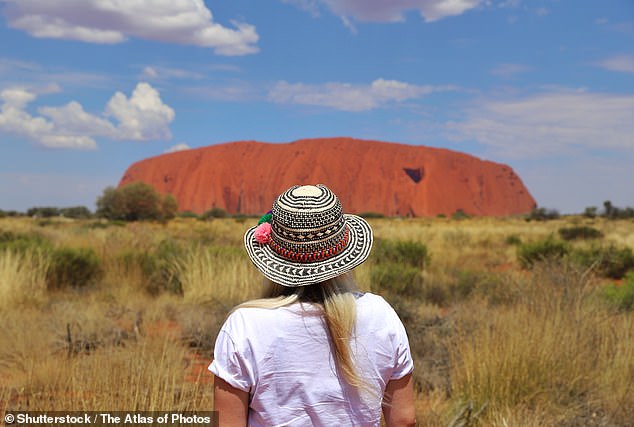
point(590, 212)
point(43, 212)
point(136, 201)
point(621, 296)
point(187, 214)
point(398, 268)
point(513, 240)
point(579, 232)
point(23, 242)
point(74, 268)
point(398, 279)
point(158, 267)
point(608, 261)
point(214, 213)
point(408, 253)
point(76, 212)
point(459, 214)
point(543, 214)
point(541, 250)
point(169, 207)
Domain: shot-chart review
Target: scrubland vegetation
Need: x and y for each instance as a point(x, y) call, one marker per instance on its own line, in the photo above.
point(511, 322)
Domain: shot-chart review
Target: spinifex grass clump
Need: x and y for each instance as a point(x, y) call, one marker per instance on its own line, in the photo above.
point(608, 261)
point(541, 250)
point(22, 276)
point(398, 266)
point(10, 240)
point(73, 268)
point(579, 232)
point(621, 296)
point(220, 275)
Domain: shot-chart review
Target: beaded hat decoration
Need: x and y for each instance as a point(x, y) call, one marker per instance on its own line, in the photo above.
point(306, 238)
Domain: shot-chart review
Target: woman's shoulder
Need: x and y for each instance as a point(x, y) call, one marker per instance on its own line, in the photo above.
point(373, 300)
point(376, 306)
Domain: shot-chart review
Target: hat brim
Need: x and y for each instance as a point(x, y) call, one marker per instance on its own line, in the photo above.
point(292, 273)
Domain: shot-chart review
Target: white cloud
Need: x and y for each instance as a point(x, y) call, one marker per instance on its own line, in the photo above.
point(178, 147)
point(620, 63)
point(141, 117)
point(113, 21)
point(388, 10)
point(167, 73)
point(347, 96)
point(72, 119)
point(508, 71)
point(550, 123)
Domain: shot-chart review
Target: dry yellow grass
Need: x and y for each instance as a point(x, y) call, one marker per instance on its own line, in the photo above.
point(537, 348)
point(22, 277)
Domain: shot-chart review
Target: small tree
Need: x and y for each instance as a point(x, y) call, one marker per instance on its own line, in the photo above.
point(170, 207)
point(590, 212)
point(43, 211)
point(76, 212)
point(136, 201)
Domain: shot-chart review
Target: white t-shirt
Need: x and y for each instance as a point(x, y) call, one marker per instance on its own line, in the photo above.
point(282, 357)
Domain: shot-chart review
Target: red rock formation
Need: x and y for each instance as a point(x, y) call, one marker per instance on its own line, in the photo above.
point(368, 176)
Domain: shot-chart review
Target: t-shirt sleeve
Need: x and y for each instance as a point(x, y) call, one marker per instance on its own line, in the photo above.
point(230, 363)
point(403, 363)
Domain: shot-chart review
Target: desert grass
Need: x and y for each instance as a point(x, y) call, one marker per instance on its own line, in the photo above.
point(22, 277)
point(494, 345)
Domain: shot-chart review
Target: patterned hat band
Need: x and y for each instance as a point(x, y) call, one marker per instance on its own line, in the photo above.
point(312, 255)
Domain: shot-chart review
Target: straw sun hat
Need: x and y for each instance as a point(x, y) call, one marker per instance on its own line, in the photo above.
point(306, 238)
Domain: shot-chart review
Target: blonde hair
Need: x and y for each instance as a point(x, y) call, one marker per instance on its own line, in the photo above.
point(337, 299)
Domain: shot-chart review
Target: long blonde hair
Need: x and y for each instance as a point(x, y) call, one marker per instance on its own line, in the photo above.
point(337, 298)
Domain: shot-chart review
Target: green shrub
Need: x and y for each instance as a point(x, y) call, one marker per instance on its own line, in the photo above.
point(542, 214)
point(158, 267)
point(397, 279)
point(513, 240)
point(43, 212)
point(76, 212)
point(406, 253)
point(459, 214)
point(590, 212)
point(73, 268)
point(214, 213)
point(23, 241)
point(579, 232)
point(541, 250)
point(608, 261)
point(465, 283)
point(621, 296)
point(135, 201)
point(187, 214)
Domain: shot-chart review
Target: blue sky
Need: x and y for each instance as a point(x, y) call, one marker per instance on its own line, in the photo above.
point(88, 87)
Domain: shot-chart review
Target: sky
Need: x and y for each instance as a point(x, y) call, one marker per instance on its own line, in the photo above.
point(88, 87)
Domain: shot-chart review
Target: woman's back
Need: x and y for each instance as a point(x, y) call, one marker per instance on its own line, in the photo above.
point(283, 358)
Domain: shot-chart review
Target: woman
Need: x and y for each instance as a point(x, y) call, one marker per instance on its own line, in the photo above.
point(314, 351)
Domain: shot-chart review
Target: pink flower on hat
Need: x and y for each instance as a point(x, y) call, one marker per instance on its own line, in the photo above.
point(263, 233)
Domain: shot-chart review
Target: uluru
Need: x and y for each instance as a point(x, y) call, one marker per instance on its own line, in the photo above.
point(368, 176)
